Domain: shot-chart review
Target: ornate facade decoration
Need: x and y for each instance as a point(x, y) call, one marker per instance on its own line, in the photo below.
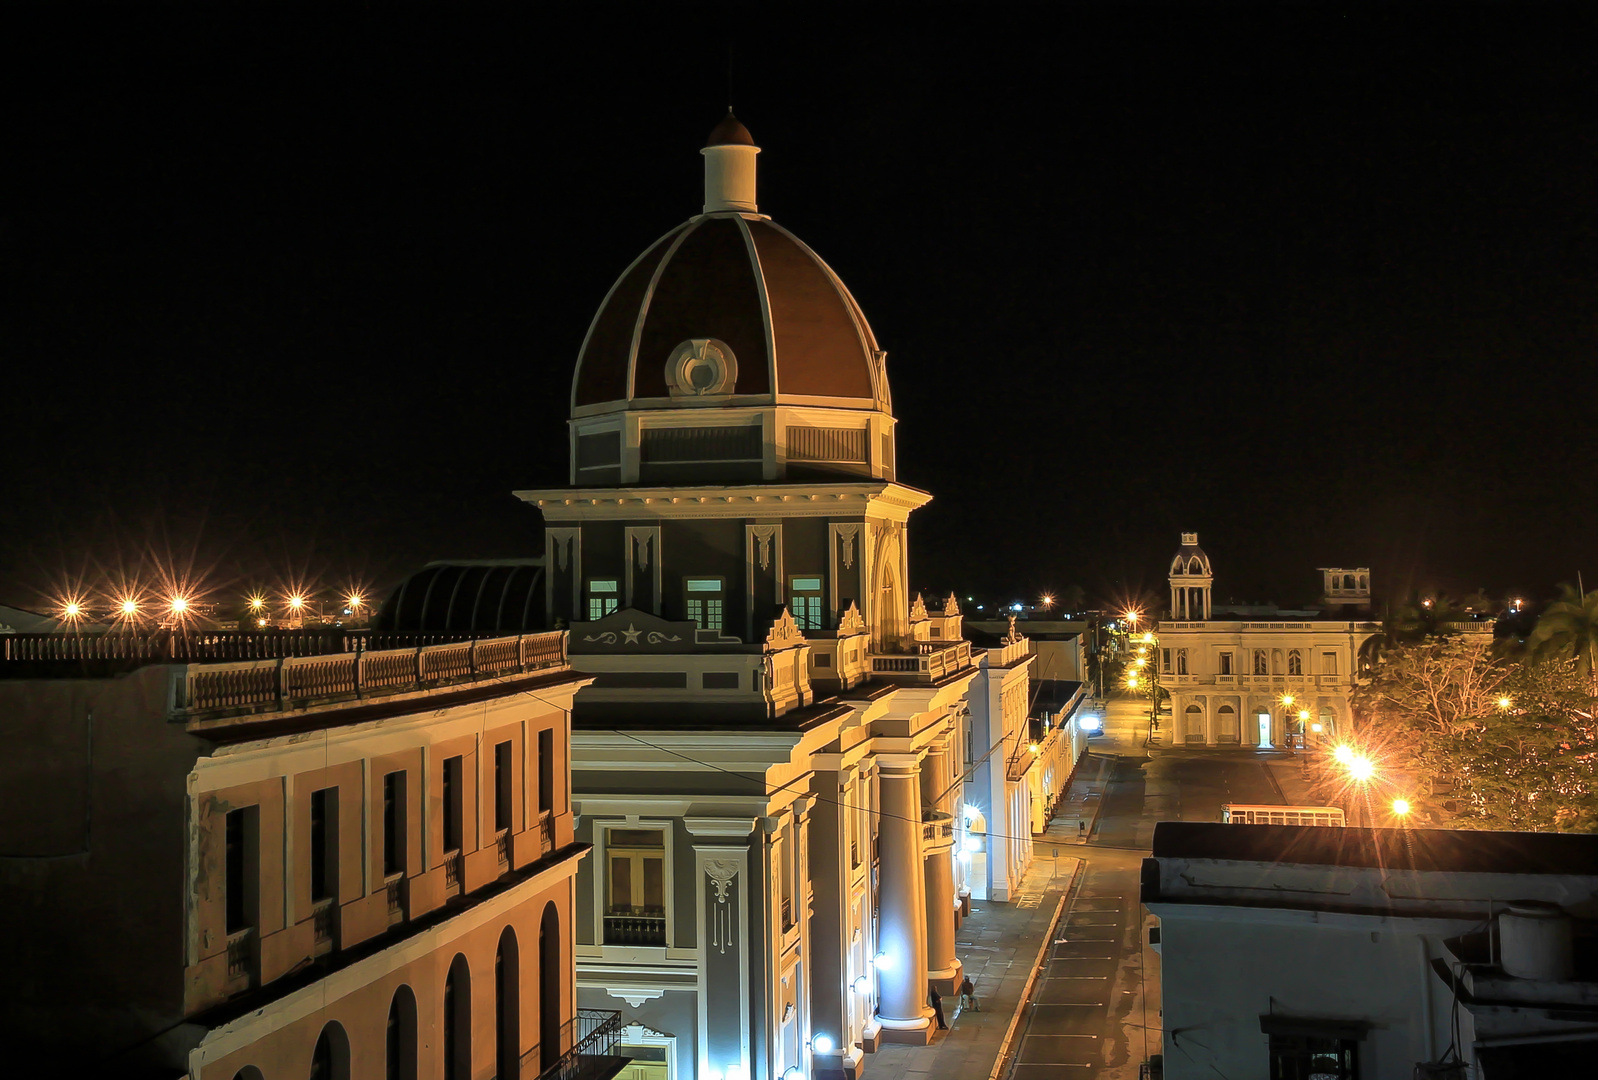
point(918, 609)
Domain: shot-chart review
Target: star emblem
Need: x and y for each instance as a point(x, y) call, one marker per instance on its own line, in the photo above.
point(631, 634)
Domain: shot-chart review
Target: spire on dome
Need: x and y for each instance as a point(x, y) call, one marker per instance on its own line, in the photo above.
point(730, 168)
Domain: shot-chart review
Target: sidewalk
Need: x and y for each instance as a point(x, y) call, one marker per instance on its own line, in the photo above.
point(999, 946)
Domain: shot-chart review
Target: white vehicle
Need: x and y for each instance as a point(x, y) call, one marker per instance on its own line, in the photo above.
point(1244, 814)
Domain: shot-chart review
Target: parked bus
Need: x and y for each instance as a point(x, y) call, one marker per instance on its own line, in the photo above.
point(1243, 814)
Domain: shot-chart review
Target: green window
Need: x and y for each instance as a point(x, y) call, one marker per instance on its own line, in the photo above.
point(804, 601)
point(603, 598)
point(705, 599)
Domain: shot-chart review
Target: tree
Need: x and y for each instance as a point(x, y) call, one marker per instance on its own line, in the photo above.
point(1568, 630)
point(1501, 743)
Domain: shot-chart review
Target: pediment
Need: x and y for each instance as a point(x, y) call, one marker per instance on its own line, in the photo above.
point(629, 630)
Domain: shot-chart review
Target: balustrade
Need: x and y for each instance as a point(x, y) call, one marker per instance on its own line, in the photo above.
point(629, 929)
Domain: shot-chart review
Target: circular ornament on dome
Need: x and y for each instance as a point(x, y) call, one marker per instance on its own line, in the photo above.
point(701, 367)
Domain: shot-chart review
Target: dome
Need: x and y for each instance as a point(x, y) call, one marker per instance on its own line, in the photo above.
point(484, 597)
point(1190, 560)
point(730, 133)
point(790, 326)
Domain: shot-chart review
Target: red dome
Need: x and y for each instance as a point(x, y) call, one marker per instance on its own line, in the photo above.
point(794, 329)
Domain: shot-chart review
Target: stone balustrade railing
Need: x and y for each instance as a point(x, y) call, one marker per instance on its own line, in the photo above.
point(294, 680)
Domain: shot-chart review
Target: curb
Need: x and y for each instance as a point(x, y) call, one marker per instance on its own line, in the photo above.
point(1098, 809)
point(1037, 966)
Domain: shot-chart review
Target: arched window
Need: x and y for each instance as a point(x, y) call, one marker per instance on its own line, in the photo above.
point(1295, 663)
point(1276, 661)
point(1195, 567)
point(458, 1021)
point(1181, 661)
point(1193, 723)
point(249, 1072)
point(1363, 583)
point(549, 985)
point(507, 1008)
point(1261, 664)
point(1348, 582)
point(331, 1058)
point(400, 1043)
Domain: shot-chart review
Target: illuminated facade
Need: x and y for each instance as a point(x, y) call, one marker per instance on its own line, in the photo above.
point(292, 855)
point(770, 760)
point(1258, 680)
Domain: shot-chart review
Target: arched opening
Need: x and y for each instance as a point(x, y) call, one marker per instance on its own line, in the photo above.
point(549, 984)
point(400, 1040)
point(1328, 724)
point(1295, 663)
point(1226, 723)
point(1194, 567)
point(331, 1058)
point(458, 1021)
point(507, 1008)
point(1193, 724)
point(249, 1072)
point(1348, 582)
point(1181, 661)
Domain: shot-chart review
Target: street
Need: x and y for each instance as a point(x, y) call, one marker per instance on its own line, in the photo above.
point(1094, 1007)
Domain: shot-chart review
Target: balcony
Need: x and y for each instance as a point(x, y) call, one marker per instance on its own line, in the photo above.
point(593, 1035)
point(395, 887)
point(452, 870)
point(937, 831)
point(240, 954)
point(646, 928)
point(502, 848)
point(929, 664)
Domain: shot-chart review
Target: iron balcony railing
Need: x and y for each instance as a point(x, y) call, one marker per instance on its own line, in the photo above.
point(593, 1035)
point(639, 929)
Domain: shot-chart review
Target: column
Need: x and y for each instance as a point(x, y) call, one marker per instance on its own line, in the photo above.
point(943, 966)
point(901, 936)
point(723, 893)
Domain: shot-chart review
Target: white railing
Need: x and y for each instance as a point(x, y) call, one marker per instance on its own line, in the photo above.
point(928, 663)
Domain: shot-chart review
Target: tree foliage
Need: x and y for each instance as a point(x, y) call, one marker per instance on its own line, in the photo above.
point(1568, 630)
point(1503, 743)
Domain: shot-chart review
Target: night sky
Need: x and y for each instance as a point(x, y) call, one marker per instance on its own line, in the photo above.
point(300, 298)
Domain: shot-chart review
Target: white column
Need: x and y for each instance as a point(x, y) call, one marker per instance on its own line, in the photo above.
point(901, 934)
point(943, 966)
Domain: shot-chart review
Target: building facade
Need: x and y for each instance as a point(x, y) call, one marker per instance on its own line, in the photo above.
point(324, 860)
point(1263, 679)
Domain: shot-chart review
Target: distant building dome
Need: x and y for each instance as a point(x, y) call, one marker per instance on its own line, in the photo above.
point(730, 133)
point(485, 597)
point(1190, 560)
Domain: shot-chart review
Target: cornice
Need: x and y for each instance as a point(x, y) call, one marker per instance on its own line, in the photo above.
point(878, 498)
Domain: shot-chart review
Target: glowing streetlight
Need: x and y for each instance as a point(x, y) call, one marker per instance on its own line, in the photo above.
point(1047, 601)
point(129, 607)
point(1361, 768)
point(1287, 699)
point(1034, 748)
point(354, 601)
point(1401, 807)
point(1148, 639)
point(1142, 649)
point(72, 609)
point(1303, 714)
point(257, 602)
point(1343, 753)
point(179, 605)
point(1139, 662)
point(1131, 682)
point(1133, 616)
point(296, 602)
point(1505, 703)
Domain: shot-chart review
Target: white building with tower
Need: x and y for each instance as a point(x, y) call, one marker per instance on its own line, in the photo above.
point(1260, 677)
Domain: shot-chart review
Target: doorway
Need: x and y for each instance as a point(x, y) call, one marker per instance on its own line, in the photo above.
point(1265, 730)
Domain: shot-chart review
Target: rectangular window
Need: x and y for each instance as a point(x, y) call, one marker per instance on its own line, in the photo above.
point(1165, 661)
point(242, 883)
point(454, 804)
point(804, 601)
point(394, 823)
point(502, 785)
point(604, 596)
point(1226, 663)
point(1328, 663)
point(1181, 661)
point(1311, 1057)
point(705, 597)
point(786, 875)
point(635, 910)
point(546, 770)
point(324, 844)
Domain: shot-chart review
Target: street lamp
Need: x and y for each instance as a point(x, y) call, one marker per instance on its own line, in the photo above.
point(1401, 807)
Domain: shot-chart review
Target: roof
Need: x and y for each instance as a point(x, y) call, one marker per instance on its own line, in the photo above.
point(1052, 695)
point(1437, 850)
point(484, 597)
point(730, 133)
point(753, 287)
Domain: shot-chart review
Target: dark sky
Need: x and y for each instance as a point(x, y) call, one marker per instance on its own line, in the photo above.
point(300, 297)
